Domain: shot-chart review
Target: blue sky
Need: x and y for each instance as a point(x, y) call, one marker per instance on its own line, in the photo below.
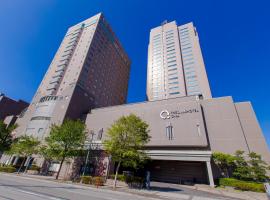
point(234, 36)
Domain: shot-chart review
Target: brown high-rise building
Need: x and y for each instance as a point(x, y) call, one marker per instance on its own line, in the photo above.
point(10, 106)
point(89, 70)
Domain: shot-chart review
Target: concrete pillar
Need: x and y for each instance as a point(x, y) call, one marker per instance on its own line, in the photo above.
point(210, 174)
point(28, 159)
point(16, 160)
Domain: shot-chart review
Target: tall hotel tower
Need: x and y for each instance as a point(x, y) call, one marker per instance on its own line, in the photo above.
point(175, 63)
point(89, 70)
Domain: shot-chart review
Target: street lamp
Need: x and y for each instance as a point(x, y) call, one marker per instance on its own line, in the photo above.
point(88, 150)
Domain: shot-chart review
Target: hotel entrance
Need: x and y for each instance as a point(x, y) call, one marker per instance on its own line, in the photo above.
point(179, 172)
point(181, 166)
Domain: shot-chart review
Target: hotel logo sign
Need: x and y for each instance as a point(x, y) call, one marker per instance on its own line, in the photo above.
point(165, 114)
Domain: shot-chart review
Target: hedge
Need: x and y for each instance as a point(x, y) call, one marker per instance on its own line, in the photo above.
point(87, 179)
point(34, 167)
point(120, 177)
point(8, 169)
point(132, 181)
point(96, 180)
point(242, 185)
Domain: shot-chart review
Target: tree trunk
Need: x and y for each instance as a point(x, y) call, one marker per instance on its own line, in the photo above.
point(62, 161)
point(22, 164)
point(116, 174)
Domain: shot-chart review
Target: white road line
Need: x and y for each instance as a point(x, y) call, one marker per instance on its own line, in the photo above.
point(39, 195)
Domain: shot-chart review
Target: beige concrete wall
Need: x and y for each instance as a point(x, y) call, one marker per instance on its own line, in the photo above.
point(224, 125)
point(252, 130)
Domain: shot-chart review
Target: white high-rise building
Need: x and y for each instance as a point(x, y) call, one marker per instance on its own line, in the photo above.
point(175, 63)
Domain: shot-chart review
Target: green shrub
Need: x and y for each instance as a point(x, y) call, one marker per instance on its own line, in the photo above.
point(8, 169)
point(134, 181)
point(242, 185)
point(87, 179)
point(34, 167)
point(98, 181)
point(120, 177)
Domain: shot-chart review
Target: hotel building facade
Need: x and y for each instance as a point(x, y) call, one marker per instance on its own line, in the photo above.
point(90, 69)
point(88, 79)
point(175, 63)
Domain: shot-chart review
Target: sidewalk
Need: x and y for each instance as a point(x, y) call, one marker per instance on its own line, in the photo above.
point(170, 191)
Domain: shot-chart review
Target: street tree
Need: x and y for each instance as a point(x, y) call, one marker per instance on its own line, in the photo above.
point(5, 136)
point(125, 142)
point(242, 169)
point(224, 162)
point(64, 141)
point(258, 167)
point(24, 146)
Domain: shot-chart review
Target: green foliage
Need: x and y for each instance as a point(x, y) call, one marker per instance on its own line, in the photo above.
point(242, 170)
point(87, 179)
point(25, 146)
point(96, 180)
point(7, 169)
point(242, 185)
point(120, 177)
point(134, 181)
point(126, 140)
point(249, 172)
point(64, 141)
point(34, 167)
point(5, 136)
point(225, 162)
point(258, 167)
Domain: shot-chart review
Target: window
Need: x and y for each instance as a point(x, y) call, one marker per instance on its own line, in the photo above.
point(170, 50)
point(185, 44)
point(173, 78)
point(187, 55)
point(170, 47)
point(172, 88)
point(172, 65)
point(171, 61)
point(169, 54)
point(173, 93)
point(183, 29)
point(172, 69)
point(169, 43)
point(169, 37)
point(176, 82)
point(189, 63)
point(187, 59)
point(183, 38)
point(186, 48)
point(188, 51)
point(169, 132)
point(190, 77)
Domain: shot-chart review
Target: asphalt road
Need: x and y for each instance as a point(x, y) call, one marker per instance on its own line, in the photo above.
point(23, 188)
point(14, 187)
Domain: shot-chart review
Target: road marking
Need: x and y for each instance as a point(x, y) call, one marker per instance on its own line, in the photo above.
point(39, 195)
